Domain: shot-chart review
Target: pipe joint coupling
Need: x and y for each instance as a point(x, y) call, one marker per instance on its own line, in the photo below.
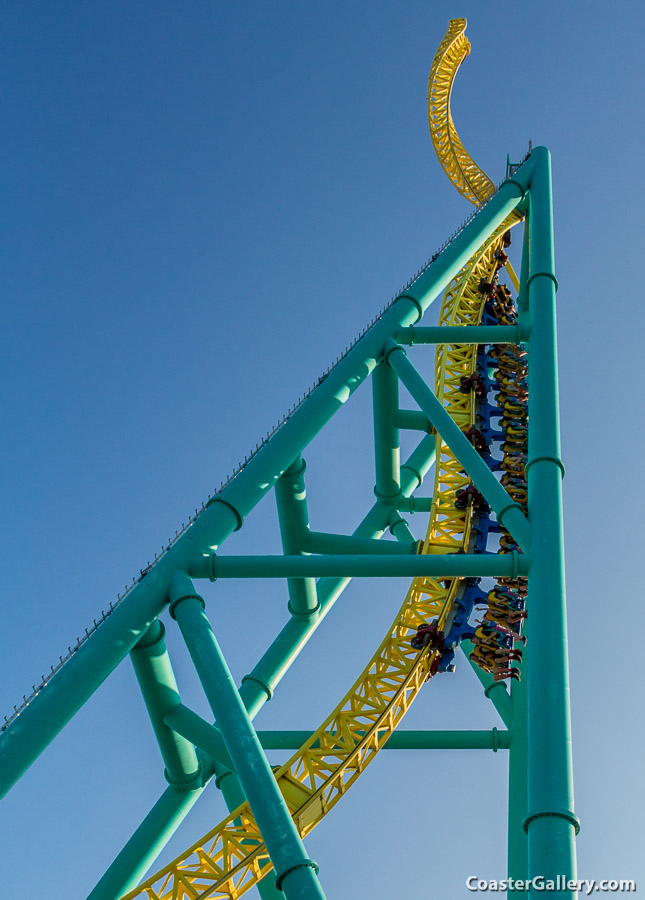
point(190, 782)
point(517, 184)
point(413, 300)
point(415, 472)
point(147, 642)
point(387, 498)
point(266, 687)
point(303, 613)
point(491, 688)
point(542, 275)
point(552, 459)
point(239, 518)
point(305, 864)
point(175, 603)
point(566, 814)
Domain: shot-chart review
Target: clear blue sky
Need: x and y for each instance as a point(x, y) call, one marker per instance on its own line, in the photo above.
point(203, 203)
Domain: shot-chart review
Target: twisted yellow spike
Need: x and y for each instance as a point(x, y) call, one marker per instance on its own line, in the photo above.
point(465, 174)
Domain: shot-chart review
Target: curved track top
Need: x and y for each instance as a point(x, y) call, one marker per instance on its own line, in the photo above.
point(232, 857)
point(464, 173)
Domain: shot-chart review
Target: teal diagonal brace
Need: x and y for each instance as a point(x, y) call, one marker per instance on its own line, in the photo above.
point(509, 513)
point(296, 874)
point(322, 542)
point(200, 733)
point(144, 846)
point(400, 529)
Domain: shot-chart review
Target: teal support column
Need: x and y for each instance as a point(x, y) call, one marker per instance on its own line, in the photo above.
point(385, 403)
point(296, 874)
point(156, 679)
point(509, 513)
point(291, 500)
point(551, 823)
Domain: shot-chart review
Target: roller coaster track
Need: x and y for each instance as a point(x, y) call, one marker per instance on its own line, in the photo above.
point(464, 173)
point(232, 857)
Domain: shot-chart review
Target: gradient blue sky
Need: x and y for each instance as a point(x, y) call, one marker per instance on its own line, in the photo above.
point(203, 203)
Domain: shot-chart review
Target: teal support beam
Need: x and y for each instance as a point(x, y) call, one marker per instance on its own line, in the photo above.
point(368, 566)
point(412, 420)
point(320, 542)
point(387, 451)
point(415, 504)
point(509, 513)
point(459, 334)
point(145, 845)
point(156, 679)
point(291, 500)
point(551, 822)
point(404, 740)
point(51, 708)
point(296, 874)
point(193, 728)
point(494, 690)
point(258, 686)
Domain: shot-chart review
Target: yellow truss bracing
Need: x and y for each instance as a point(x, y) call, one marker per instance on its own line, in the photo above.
point(232, 857)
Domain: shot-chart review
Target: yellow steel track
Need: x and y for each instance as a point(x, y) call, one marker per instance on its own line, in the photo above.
point(232, 857)
point(464, 173)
